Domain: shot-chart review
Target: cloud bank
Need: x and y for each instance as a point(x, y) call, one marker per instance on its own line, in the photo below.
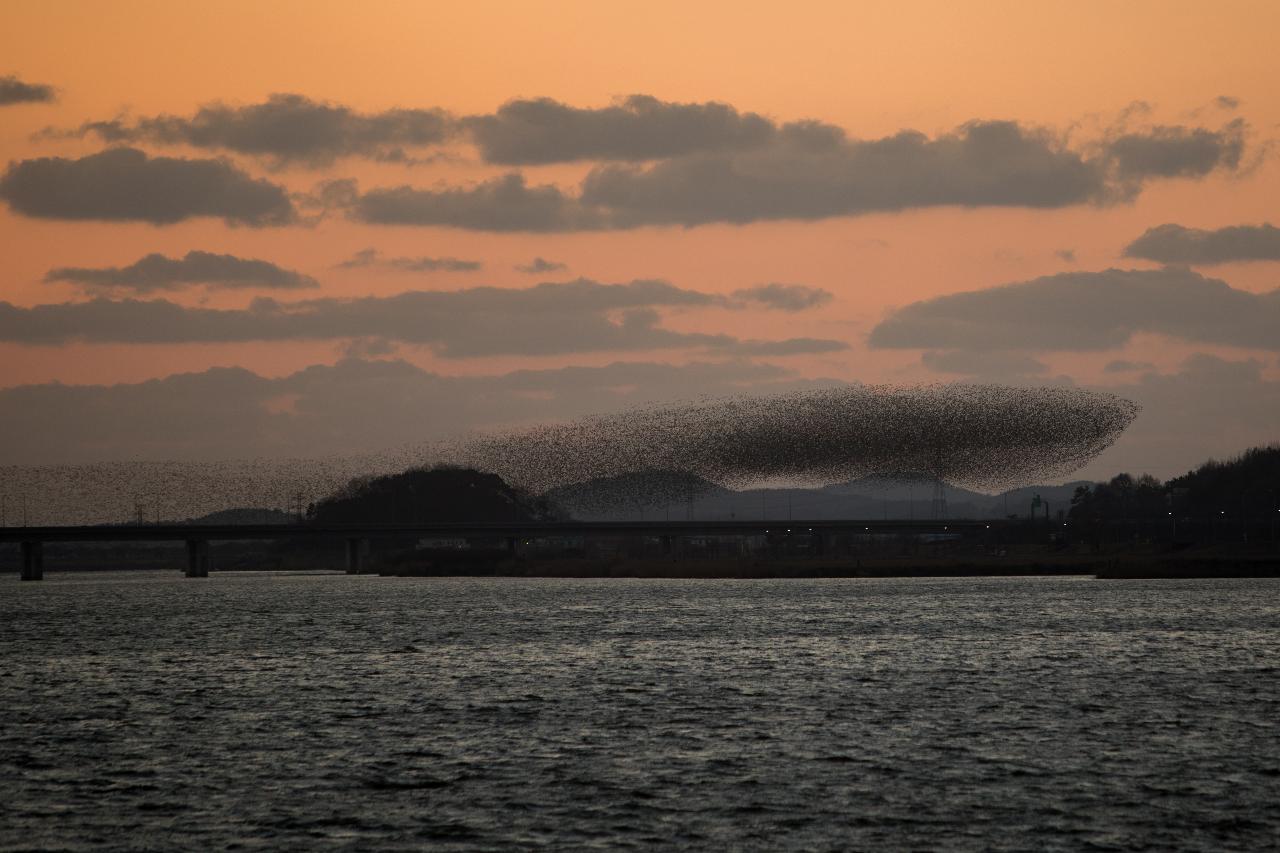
point(156, 272)
point(354, 406)
point(810, 171)
point(547, 319)
point(1081, 311)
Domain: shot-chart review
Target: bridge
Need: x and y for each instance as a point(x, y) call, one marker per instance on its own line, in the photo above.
point(357, 536)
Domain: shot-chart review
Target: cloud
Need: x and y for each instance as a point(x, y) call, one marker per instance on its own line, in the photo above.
point(987, 364)
point(541, 265)
point(156, 272)
point(1067, 255)
point(1174, 152)
point(15, 91)
point(1174, 244)
point(355, 406)
point(640, 127)
point(124, 184)
point(1081, 311)
point(549, 318)
point(500, 204)
point(287, 130)
point(366, 258)
point(784, 297)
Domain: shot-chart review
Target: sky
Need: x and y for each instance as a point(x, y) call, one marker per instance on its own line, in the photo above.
point(246, 230)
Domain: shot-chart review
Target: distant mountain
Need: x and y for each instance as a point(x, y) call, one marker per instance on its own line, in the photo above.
point(679, 495)
point(631, 494)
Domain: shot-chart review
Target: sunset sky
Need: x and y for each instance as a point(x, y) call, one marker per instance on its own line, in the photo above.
point(308, 228)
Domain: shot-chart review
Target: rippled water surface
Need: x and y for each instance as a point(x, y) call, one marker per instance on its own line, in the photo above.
point(147, 711)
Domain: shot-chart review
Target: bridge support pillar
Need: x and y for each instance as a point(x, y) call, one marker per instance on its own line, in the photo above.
point(32, 561)
point(511, 545)
point(357, 552)
point(197, 558)
point(666, 546)
point(820, 544)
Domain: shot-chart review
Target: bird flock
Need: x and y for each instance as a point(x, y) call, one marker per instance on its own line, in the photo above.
point(983, 437)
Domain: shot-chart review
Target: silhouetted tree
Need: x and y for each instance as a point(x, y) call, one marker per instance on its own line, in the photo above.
point(436, 494)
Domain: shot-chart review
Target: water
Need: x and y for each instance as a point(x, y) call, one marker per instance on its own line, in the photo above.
point(151, 712)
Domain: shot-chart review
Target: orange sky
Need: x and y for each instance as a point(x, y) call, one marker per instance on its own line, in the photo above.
point(871, 68)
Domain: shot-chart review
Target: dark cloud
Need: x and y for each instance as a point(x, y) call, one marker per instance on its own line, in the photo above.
point(124, 184)
point(1174, 152)
point(156, 272)
point(287, 129)
point(15, 91)
point(1087, 311)
point(1226, 102)
point(501, 204)
point(355, 406)
point(784, 297)
point(538, 266)
point(814, 172)
point(641, 127)
point(1068, 255)
point(1174, 244)
point(366, 258)
point(986, 364)
point(569, 317)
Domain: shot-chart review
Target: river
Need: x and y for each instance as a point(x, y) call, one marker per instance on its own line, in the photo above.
point(146, 711)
